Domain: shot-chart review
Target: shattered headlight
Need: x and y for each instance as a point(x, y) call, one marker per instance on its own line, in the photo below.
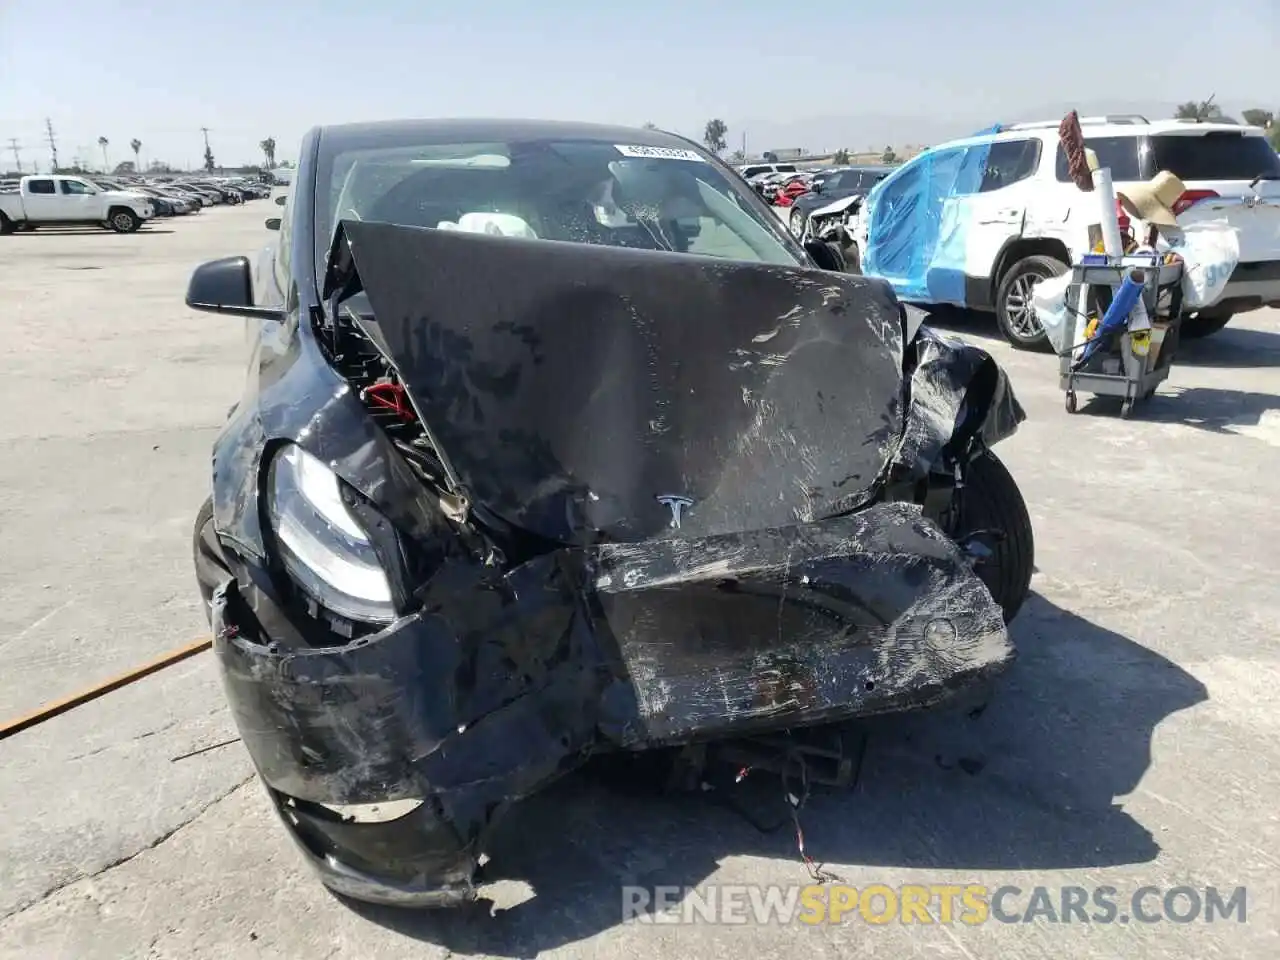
point(323, 546)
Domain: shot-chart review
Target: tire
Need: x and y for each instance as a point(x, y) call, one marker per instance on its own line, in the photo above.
point(123, 220)
point(796, 222)
point(1198, 327)
point(1014, 313)
point(6, 225)
point(991, 501)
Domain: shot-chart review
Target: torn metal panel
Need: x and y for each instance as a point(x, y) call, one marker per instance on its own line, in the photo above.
point(570, 385)
point(958, 393)
point(795, 626)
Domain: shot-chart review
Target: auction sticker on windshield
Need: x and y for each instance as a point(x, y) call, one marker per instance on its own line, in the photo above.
point(659, 153)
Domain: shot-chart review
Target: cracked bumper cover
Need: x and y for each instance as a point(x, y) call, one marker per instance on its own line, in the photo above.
point(501, 684)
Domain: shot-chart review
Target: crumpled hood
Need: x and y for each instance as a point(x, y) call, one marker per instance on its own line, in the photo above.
point(574, 389)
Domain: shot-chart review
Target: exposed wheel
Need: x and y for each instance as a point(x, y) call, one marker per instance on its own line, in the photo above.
point(993, 513)
point(1071, 401)
point(123, 220)
point(797, 222)
point(6, 225)
point(1199, 326)
point(1014, 311)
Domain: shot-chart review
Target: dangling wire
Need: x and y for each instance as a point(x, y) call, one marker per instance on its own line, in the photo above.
point(795, 803)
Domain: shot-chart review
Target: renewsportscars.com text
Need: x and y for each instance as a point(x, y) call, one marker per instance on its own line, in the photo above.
point(969, 904)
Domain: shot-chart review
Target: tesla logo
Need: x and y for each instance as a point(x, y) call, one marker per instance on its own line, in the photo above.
point(677, 506)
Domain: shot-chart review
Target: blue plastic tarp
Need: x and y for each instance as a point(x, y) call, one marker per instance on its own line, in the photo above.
point(918, 221)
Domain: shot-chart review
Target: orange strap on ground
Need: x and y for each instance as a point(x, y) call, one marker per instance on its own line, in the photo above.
point(58, 707)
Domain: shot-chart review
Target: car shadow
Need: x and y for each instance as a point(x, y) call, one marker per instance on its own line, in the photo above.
point(1205, 408)
point(83, 232)
point(1029, 783)
point(1231, 347)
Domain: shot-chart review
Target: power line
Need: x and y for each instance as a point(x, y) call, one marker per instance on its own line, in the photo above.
point(17, 159)
point(53, 145)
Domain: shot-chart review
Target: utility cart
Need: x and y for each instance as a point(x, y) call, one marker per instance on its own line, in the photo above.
point(1117, 370)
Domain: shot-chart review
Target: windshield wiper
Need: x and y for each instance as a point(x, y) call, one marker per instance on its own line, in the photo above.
point(1263, 176)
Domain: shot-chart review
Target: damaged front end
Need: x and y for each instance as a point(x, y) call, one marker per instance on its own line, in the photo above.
point(621, 500)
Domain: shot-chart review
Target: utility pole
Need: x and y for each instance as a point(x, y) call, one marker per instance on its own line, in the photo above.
point(53, 145)
point(13, 145)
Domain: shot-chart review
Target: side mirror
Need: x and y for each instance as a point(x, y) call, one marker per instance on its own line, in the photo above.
point(827, 256)
point(225, 286)
point(273, 223)
point(815, 187)
point(282, 200)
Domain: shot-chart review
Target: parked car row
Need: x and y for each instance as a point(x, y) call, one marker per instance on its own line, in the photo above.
point(803, 192)
point(121, 204)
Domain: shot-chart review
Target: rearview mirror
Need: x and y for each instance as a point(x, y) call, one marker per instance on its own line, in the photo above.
point(273, 223)
point(225, 286)
point(282, 200)
point(827, 256)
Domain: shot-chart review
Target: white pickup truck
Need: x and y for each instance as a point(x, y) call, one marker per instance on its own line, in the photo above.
point(64, 201)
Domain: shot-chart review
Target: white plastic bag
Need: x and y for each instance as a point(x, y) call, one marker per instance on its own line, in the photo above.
point(1210, 252)
point(1049, 300)
point(493, 224)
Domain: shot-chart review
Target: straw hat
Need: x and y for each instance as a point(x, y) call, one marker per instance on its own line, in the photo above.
point(1153, 202)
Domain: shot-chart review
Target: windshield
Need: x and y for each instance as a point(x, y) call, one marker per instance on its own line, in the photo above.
point(582, 191)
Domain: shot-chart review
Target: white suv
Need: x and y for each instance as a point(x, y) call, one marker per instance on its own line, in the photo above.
point(977, 222)
point(749, 170)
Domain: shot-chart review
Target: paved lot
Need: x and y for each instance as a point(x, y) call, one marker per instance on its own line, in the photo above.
point(1136, 742)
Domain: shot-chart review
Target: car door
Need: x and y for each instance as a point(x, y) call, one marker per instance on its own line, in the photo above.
point(952, 222)
point(79, 201)
point(996, 212)
point(40, 200)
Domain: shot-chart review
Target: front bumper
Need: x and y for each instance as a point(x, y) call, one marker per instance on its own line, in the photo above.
point(500, 684)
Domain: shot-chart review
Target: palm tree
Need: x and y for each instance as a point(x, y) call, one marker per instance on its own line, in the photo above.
point(269, 151)
point(136, 146)
point(106, 164)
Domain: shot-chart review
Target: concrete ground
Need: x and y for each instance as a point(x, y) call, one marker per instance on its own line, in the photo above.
point(1135, 743)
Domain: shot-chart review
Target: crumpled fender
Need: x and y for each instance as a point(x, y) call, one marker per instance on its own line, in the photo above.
point(957, 396)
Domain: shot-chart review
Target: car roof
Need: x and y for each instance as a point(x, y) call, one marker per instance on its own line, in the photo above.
point(462, 130)
point(1048, 130)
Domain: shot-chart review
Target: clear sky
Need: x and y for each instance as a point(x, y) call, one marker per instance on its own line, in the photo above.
point(247, 69)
